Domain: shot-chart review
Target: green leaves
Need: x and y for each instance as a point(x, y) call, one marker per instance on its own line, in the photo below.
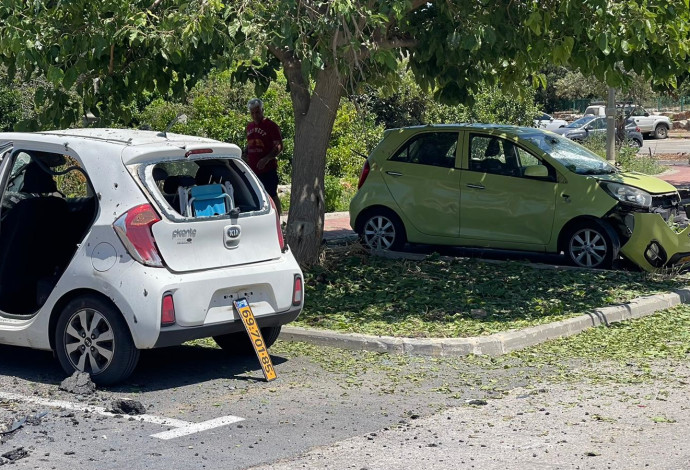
point(55, 75)
point(603, 43)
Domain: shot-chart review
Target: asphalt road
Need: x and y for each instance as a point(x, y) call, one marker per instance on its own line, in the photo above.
point(321, 396)
point(342, 409)
point(665, 146)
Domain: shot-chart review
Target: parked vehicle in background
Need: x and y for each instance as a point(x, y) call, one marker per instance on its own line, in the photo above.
point(515, 188)
point(652, 124)
point(649, 124)
point(116, 240)
point(591, 126)
point(596, 110)
point(548, 122)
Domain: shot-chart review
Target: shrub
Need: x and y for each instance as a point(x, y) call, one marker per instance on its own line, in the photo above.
point(10, 108)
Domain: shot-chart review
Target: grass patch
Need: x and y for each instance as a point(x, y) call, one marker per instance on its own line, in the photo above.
point(665, 335)
point(351, 291)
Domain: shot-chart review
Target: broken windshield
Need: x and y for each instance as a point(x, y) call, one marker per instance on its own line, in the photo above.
point(574, 157)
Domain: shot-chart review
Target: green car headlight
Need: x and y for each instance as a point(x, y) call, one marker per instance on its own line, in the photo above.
point(628, 194)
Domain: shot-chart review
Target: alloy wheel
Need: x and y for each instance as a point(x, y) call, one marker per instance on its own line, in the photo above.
point(379, 233)
point(89, 341)
point(588, 248)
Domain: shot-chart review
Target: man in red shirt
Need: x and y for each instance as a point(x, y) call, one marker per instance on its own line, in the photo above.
point(264, 144)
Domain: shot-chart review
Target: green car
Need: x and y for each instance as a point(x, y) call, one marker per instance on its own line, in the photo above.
point(515, 188)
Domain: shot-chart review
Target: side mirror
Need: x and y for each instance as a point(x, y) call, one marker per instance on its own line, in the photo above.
point(646, 114)
point(536, 171)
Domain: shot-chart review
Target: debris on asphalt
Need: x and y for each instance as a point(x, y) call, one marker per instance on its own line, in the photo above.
point(35, 420)
point(16, 424)
point(16, 454)
point(78, 383)
point(127, 407)
point(477, 401)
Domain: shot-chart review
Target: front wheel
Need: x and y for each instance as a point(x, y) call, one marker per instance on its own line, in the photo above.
point(239, 343)
point(382, 230)
point(592, 245)
point(92, 336)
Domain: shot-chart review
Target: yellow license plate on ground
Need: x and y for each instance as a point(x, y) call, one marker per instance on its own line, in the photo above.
point(256, 338)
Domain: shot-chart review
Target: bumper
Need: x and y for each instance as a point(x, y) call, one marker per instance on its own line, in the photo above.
point(174, 335)
point(204, 300)
point(654, 245)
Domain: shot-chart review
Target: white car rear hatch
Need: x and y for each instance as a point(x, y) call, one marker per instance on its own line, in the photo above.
point(214, 213)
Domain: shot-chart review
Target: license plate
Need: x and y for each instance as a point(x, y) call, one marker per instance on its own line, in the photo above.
point(256, 338)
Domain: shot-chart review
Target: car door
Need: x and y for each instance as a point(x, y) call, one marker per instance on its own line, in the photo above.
point(501, 206)
point(642, 119)
point(424, 182)
point(5, 167)
point(597, 127)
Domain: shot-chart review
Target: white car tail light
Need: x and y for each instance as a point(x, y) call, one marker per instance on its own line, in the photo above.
point(281, 240)
point(167, 310)
point(297, 291)
point(134, 229)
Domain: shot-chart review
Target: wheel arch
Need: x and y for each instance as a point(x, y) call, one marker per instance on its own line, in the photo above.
point(583, 219)
point(67, 298)
point(361, 217)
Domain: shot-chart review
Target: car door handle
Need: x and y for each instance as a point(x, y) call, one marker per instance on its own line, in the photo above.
point(476, 186)
point(393, 173)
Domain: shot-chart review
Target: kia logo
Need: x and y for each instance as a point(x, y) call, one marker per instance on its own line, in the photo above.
point(233, 232)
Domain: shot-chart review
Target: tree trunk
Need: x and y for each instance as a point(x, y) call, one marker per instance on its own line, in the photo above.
point(312, 133)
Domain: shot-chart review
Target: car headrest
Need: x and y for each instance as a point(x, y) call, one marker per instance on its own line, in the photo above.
point(37, 181)
point(492, 149)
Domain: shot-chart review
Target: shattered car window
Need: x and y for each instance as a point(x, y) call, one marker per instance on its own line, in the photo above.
point(571, 155)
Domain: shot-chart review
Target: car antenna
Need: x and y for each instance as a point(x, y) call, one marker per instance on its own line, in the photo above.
point(182, 117)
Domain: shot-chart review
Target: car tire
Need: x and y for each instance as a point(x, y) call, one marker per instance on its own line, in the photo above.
point(661, 131)
point(592, 244)
point(239, 343)
point(635, 143)
point(382, 229)
point(92, 336)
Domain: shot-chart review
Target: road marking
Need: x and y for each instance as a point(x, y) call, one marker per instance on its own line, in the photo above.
point(198, 427)
point(183, 428)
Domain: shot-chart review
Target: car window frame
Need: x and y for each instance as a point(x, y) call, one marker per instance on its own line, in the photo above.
point(553, 173)
point(413, 138)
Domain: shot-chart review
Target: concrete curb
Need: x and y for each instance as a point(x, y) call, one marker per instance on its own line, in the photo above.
point(492, 345)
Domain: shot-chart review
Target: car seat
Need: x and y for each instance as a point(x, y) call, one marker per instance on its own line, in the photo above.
point(491, 163)
point(512, 167)
point(33, 243)
point(175, 191)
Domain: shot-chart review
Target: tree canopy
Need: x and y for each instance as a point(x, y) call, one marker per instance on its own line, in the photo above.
point(326, 49)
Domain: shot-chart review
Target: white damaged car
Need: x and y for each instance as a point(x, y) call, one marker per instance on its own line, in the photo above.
point(117, 240)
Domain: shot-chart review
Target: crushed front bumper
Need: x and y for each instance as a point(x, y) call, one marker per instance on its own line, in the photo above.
point(654, 245)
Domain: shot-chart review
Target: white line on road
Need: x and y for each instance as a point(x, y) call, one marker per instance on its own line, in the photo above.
point(198, 427)
point(183, 427)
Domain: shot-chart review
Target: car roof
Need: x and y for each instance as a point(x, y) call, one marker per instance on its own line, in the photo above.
point(515, 130)
point(134, 145)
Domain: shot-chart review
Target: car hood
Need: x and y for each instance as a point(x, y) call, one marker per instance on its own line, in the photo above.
point(651, 184)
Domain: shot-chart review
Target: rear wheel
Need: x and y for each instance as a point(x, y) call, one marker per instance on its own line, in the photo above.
point(592, 245)
point(239, 343)
point(661, 131)
point(91, 336)
point(634, 143)
point(382, 230)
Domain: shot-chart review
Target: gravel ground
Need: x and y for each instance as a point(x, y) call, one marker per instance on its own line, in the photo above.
point(548, 426)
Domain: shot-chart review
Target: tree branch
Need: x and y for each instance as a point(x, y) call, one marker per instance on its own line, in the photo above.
point(299, 87)
point(111, 65)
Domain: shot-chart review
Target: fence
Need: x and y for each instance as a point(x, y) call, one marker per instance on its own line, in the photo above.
point(659, 103)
